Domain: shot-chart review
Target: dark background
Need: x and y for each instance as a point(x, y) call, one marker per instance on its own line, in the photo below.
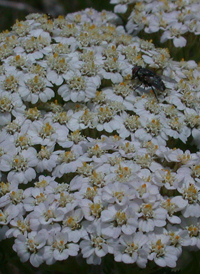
point(12, 10)
point(9, 261)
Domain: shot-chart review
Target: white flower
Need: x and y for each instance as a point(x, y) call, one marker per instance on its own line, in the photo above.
point(72, 225)
point(118, 193)
point(92, 209)
point(62, 67)
point(30, 247)
point(193, 121)
point(46, 159)
point(177, 155)
point(178, 238)
point(178, 129)
point(121, 92)
point(43, 133)
point(153, 128)
point(110, 65)
point(19, 225)
point(35, 196)
point(59, 248)
point(121, 6)
point(10, 104)
point(35, 45)
point(192, 226)
point(167, 178)
point(81, 120)
point(20, 166)
point(174, 32)
point(174, 205)
point(66, 201)
point(108, 120)
point(145, 190)
point(32, 88)
point(150, 215)
point(45, 214)
point(8, 213)
point(118, 220)
point(97, 245)
point(67, 162)
point(191, 195)
point(132, 249)
point(160, 250)
point(78, 88)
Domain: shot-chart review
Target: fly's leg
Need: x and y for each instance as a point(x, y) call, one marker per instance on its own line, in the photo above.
point(154, 92)
point(137, 86)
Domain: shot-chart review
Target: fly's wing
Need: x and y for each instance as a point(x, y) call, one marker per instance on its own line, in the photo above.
point(156, 82)
point(167, 79)
point(150, 73)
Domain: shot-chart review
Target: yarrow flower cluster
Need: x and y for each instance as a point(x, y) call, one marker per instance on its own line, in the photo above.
point(91, 164)
point(176, 20)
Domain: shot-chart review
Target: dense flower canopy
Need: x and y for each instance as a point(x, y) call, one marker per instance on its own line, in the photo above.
point(91, 161)
point(176, 20)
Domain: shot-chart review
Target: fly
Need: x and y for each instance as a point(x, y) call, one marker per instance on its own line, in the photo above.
point(150, 79)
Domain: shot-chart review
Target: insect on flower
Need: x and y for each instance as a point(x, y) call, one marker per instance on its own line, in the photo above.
point(150, 79)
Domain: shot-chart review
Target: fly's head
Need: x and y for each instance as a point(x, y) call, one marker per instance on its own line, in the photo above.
point(135, 71)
